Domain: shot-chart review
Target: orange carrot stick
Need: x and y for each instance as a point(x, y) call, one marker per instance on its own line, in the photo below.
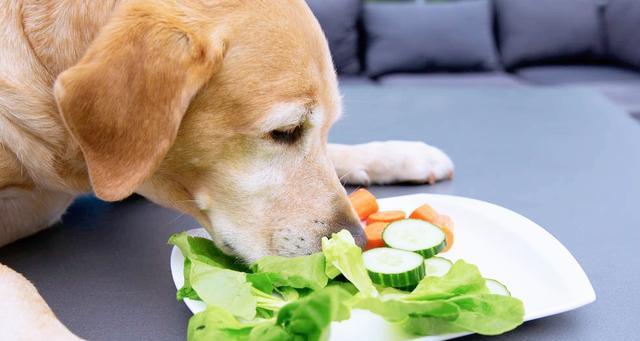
point(426, 213)
point(364, 203)
point(374, 235)
point(385, 217)
point(445, 224)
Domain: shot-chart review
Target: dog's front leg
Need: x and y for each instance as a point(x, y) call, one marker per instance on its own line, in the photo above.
point(25, 208)
point(24, 315)
point(390, 162)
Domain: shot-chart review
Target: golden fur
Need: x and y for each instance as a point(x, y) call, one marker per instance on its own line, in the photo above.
point(178, 101)
point(169, 100)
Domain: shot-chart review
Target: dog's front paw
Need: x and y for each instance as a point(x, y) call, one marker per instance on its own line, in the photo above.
point(390, 162)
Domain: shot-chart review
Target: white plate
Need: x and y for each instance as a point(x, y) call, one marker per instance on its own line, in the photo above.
point(505, 246)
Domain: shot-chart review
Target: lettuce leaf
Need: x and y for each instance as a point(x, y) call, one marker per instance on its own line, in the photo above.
point(484, 314)
point(344, 257)
point(205, 251)
point(265, 281)
point(310, 317)
point(297, 298)
point(216, 323)
point(187, 291)
point(458, 301)
point(224, 288)
point(304, 319)
point(462, 278)
point(397, 309)
point(488, 314)
point(296, 272)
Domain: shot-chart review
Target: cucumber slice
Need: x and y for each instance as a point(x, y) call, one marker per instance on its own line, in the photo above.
point(496, 287)
point(394, 268)
point(437, 266)
point(415, 235)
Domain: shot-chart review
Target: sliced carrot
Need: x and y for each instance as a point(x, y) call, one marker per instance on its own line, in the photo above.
point(364, 203)
point(426, 213)
point(385, 217)
point(374, 235)
point(445, 224)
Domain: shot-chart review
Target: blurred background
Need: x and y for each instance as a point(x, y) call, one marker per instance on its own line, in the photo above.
point(498, 43)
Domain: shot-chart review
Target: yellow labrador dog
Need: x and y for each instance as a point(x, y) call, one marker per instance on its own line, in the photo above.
point(219, 109)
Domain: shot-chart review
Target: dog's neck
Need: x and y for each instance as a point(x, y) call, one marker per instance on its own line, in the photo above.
point(43, 38)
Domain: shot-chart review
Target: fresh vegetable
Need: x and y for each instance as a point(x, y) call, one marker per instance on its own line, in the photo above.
point(484, 314)
point(415, 235)
point(385, 217)
point(304, 319)
point(292, 299)
point(445, 223)
point(364, 203)
point(216, 323)
point(426, 213)
point(309, 318)
point(224, 288)
point(296, 272)
point(462, 278)
point(204, 251)
point(392, 267)
point(437, 266)
point(374, 235)
point(458, 301)
point(344, 257)
point(496, 287)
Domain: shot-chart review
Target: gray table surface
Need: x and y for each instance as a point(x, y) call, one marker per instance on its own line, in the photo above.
point(565, 158)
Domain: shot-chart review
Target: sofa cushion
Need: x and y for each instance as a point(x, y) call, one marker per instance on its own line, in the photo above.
point(411, 37)
point(542, 31)
point(339, 20)
point(349, 80)
point(576, 74)
point(451, 79)
point(622, 21)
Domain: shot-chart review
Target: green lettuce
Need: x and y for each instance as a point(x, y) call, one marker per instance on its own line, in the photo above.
point(187, 290)
point(310, 317)
point(458, 301)
point(296, 272)
point(204, 251)
point(304, 319)
point(344, 257)
point(216, 323)
point(280, 298)
point(462, 278)
point(397, 309)
point(227, 289)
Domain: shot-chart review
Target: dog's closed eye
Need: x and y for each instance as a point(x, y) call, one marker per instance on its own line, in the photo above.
point(287, 135)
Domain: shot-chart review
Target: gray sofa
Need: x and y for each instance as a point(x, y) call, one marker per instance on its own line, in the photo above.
point(499, 43)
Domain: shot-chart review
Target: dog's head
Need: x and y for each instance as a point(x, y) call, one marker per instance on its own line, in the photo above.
point(220, 109)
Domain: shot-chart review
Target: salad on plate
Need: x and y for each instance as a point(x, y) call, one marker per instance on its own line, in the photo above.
point(401, 276)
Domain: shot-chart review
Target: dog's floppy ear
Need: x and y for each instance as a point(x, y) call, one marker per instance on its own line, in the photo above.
point(124, 101)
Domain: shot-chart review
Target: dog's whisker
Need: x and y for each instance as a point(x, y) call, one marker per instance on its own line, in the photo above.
point(176, 218)
point(345, 175)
